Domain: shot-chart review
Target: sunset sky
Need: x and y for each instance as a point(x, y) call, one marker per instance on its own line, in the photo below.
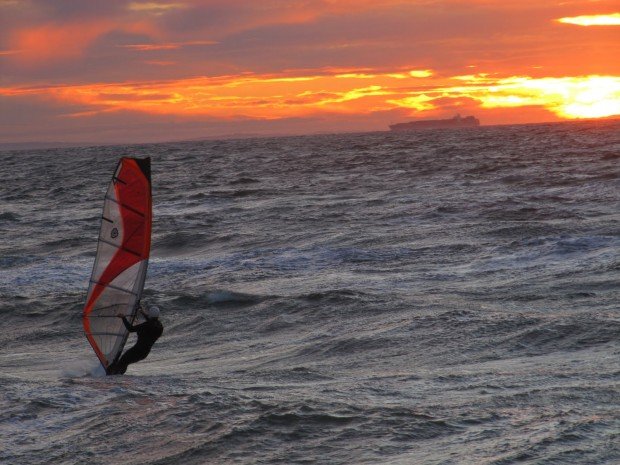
point(136, 71)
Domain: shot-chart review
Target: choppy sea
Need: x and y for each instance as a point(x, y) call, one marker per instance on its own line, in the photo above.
point(440, 297)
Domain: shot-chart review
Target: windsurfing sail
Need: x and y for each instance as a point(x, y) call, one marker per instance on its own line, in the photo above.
point(122, 257)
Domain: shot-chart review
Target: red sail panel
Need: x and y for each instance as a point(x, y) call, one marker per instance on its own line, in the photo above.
point(122, 257)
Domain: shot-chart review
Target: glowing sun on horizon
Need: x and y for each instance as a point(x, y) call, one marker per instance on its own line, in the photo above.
point(567, 97)
point(592, 20)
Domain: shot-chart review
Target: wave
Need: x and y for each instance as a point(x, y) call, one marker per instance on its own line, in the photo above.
point(71, 244)
point(355, 423)
point(346, 346)
point(244, 180)
point(237, 193)
point(562, 245)
point(217, 297)
point(229, 297)
point(528, 213)
point(564, 335)
point(247, 192)
point(303, 419)
point(335, 296)
point(300, 431)
point(514, 179)
point(179, 241)
point(196, 196)
point(83, 368)
point(298, 374)
point(9, 217)
point(10, 261)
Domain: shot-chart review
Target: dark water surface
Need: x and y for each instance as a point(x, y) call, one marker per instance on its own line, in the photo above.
point(445, 297)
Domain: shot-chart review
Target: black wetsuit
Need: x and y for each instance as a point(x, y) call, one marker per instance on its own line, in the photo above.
point(148, 333)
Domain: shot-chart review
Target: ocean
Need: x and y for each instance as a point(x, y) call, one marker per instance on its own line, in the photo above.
point(439, 297)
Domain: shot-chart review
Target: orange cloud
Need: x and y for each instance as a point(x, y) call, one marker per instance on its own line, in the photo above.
point(423, 73)
point(421, 102)
point(160, 62)
point(155, 8)
point(593, 20)
point(55, 41)
point(167, 46)
point(282, 96)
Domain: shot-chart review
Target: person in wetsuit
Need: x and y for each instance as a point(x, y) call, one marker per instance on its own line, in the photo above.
point(148, 332)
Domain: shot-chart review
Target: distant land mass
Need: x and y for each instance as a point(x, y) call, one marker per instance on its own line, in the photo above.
point(455, 122)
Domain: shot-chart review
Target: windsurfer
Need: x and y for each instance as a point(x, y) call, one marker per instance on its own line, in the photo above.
point(148, 332)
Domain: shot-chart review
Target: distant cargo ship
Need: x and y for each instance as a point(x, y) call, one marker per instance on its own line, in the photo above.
point(456, 122)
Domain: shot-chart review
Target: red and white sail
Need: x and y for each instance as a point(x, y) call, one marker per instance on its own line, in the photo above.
point(122, 257)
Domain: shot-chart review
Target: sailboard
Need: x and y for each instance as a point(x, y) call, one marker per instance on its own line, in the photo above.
point(121, 261)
